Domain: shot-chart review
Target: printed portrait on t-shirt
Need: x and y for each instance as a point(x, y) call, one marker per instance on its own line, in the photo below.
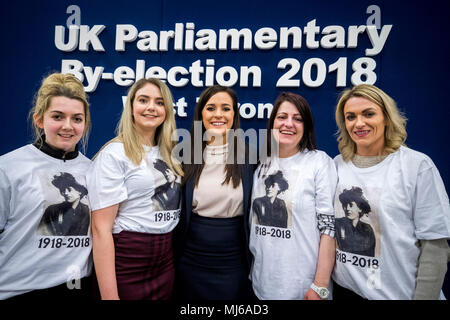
point(67, 212)
point(357, 226)
point(167, 191)
point(271, 209)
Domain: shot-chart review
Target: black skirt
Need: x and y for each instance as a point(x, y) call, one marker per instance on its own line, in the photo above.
point(213, 263)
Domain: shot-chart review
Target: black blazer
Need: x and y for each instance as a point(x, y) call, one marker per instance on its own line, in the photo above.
point(187, 193)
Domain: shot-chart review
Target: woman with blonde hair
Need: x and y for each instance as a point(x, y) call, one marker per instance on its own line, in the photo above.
point(408, 205)
point(132, 237)
point(35, 264)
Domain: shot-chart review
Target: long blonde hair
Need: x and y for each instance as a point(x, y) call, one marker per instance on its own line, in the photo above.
point(59, 85)
point(395, 130)
point(133, 141)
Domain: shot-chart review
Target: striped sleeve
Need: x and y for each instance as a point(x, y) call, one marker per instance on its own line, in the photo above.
point(325, 223)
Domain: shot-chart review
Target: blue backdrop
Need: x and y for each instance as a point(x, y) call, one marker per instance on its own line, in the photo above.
point(412, 66)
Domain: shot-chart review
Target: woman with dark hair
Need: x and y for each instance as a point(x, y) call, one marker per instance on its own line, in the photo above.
point(68, 218)
point(292, 237)
point(212, 244)
point(409, 207)
point(167, 195)
point(352, 234)
point(271, 210)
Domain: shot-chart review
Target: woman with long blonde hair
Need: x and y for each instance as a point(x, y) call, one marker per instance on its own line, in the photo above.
point(133, 186)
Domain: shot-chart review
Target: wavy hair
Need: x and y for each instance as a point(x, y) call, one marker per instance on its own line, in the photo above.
point(395, 130)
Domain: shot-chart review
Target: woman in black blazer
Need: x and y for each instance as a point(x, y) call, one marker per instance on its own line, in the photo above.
point(213, 259)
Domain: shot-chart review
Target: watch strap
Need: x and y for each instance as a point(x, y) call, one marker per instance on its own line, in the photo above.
point(321, 291)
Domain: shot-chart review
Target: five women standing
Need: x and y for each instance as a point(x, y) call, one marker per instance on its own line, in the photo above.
point(391, 215)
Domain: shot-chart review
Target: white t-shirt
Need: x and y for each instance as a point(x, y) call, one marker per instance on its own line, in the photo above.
point(292, 205)
point(148, 194)
point(45, 240)
point(402, 199)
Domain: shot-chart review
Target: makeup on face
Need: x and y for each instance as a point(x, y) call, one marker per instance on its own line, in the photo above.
point(63, 123)
point(365, 123)
point(149, 110)
point(218, 116)
point(289, 128)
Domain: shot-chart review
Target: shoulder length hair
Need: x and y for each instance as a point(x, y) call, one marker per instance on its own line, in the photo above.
point(232, 170)
point(395, 130)
point(308, 140)
point(133, 142)
point(59, 85)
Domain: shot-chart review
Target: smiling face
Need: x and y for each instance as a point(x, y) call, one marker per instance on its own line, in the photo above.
point(289, 129)
point(149, 111)
point(365, 123)
point(218, 115)
point(63, 123)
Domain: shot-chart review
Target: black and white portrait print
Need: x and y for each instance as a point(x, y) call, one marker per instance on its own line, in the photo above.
point(167, 193)
point(69, 217)
point(270, 209)
point(354, 232)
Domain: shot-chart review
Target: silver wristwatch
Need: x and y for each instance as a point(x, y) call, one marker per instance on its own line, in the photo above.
point(321, 291)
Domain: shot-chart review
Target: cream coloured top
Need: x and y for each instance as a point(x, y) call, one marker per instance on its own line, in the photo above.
point(211, 198)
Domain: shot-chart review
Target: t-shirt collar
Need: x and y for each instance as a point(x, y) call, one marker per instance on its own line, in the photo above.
point(55, 153)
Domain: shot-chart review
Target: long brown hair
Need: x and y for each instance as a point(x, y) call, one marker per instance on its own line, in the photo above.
point(232, 170)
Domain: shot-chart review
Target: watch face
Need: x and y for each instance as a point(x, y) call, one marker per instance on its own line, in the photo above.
point(323, 293)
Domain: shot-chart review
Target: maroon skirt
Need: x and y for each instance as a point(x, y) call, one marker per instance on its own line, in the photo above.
point(144, 265)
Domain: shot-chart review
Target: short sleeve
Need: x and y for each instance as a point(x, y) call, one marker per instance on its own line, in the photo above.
point(106, 181)
point(5, 198)
point(326, 181)
point(431, 210)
